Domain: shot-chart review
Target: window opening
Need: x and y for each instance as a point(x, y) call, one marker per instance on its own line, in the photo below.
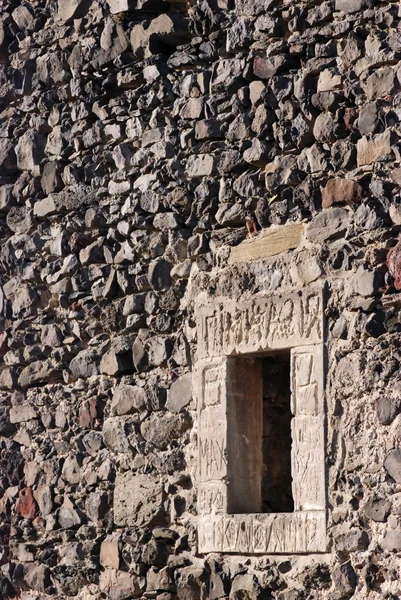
point(259, 435)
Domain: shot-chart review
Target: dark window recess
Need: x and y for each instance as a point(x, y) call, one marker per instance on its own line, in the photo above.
point(276, 444)
point(258, 450)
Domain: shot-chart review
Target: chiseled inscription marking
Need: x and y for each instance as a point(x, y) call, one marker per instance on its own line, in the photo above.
point(308, 463)
point(212, 497)
point(307, 380)
point(212, 457)
point(212, 386)
point(260, 324)
point(267, 533)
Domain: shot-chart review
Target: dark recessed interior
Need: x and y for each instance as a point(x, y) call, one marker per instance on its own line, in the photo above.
point(276, 477)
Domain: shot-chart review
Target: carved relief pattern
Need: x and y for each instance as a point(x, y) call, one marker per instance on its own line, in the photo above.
point(308, 463)
point(260, 324)
point(307, 428)
point(263, 533)
point(212, 492)
point(277, 322)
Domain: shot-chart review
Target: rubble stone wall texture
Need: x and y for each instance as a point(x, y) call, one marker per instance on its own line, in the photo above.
point(135, 136)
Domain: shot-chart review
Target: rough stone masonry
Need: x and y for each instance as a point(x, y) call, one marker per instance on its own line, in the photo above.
point(144, 337)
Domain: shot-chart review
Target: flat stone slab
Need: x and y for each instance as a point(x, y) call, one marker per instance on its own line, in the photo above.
point(268, 244)
point(261, 324)
point(289, 533)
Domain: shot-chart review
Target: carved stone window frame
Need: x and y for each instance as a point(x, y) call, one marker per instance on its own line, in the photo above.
point(227, 330)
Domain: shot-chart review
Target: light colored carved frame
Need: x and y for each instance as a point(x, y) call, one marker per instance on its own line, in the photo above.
point(263, 324)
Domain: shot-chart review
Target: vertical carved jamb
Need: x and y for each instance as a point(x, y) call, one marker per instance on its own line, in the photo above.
point(307, 406)
point(210, 385)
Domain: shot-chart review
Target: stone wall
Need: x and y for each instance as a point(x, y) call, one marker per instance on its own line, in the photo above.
point(137, 139)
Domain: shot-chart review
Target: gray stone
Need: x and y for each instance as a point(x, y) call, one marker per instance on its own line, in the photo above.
point(68, 516)
point(39, 372)
point(253, 7)
point(245, 586)
point(23, 18)
point(96, 506)
point(353, 540)
point(387, 409)
point(328, 225)
point(19, 219)
point(159, 275)
point(392, 464)
point(70, 198)
point(8, 159)
point(73, 9)
point(351, 6)
point(161, 430)
point(380, 83)
point(323, 129)
point(115, 363)
point(23, 413)
point(114, 435)
point(7, 199)
point(128, 399)
point(71, 472)
point(392, 540)
point(29, 150)
point(345, 579)
point(138, 500)
point(368, 119)
point(180, 393)
point(160, 348)
point(200, 166)
point(365, 282)
point(377, 509)
point(119, 585)
point(85, 364)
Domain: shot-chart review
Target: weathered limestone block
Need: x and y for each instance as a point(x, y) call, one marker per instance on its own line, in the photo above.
point(272, 242)
point(379, 147)
point(138, 500)
point(109, 552)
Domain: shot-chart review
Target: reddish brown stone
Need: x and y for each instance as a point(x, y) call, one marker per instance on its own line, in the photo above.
point(87, 414)
point(268, 67)
point(26, 505)
point(341, 191)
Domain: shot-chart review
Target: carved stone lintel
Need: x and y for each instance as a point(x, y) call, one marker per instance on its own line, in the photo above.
point(292, 533)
